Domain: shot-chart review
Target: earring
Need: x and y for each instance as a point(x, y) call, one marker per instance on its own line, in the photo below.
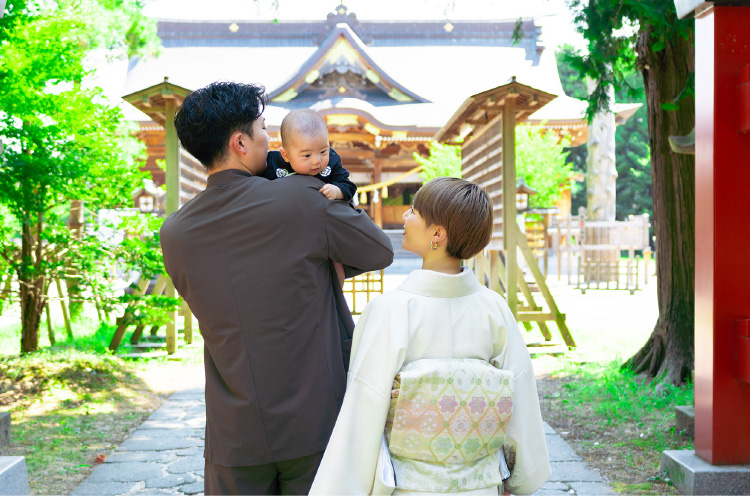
point(433, 246)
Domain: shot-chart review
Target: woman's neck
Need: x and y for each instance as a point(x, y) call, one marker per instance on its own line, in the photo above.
point(440, 262)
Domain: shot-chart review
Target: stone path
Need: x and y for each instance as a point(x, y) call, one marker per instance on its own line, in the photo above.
point(570, 474)
point(164, 456)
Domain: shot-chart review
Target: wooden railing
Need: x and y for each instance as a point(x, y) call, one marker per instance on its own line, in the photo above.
point(490, 269)
point(359, 290)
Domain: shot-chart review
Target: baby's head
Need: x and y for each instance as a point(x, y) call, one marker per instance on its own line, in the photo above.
point(304, 141)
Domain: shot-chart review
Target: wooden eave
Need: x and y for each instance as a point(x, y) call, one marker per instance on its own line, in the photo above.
point(523, 188)
point(483, 108)
point(152, 100)
point(367, 127)
point(298, 82)
point(367, 118)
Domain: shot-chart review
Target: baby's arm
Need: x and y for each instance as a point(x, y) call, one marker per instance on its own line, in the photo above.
point(339, 178)
point(332, 192)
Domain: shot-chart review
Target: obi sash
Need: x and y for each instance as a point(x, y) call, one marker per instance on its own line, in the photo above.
point(446, 424)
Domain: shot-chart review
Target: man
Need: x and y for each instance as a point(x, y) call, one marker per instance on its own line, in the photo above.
point(253, 260)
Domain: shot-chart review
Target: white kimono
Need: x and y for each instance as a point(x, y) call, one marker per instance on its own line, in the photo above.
point(431, 315)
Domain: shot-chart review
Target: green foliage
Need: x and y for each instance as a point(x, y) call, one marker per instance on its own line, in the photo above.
point(633, 161)
point(540, 161)
point(444, 161)
point(611, 28)
point(615, 396)
point(393, 200)
point(632, 153)
point(572, 83)
point(62, 141)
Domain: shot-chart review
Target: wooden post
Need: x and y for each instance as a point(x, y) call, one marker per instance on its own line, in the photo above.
point(75, 224)
point(722, 264)
point(495, 278)
point(188, 326)
point(510, 235)
point(558, 317)
point(50, 328)
point(545, 222)
point(66, 315)
point(377, 206)
point(173, 204)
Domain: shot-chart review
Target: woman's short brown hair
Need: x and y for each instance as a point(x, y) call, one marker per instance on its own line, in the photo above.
point(463, 208)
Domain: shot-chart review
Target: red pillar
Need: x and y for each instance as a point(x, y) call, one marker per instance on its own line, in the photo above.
point(722, 238)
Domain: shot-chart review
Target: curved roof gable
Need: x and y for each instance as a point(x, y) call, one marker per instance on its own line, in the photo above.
point(482, 109)
point(341, 67)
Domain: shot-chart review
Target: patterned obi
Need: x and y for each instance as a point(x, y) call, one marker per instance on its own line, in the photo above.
point(447, 423)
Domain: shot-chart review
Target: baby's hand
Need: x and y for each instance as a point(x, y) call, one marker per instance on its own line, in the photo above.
point(332, 192)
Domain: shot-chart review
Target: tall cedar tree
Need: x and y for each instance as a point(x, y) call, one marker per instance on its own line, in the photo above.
point(632, 155)
point(661, 48)
point(61, 140)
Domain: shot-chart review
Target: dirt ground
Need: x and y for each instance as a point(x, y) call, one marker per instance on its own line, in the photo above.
point(623, 452)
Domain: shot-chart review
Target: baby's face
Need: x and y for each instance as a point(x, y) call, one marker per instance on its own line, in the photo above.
point(307, 154)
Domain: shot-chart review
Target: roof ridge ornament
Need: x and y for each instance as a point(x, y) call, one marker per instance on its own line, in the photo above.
point(341, 67)
point(341, 15)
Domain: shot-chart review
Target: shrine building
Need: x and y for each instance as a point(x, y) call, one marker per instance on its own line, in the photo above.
point(385, 88)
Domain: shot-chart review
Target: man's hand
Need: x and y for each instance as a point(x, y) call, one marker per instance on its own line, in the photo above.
point(332, 192)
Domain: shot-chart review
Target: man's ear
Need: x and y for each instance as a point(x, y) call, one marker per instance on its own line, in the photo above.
point(284, 154)
point(236, 143)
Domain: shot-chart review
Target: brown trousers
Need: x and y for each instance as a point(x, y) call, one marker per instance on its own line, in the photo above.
point(288, 477)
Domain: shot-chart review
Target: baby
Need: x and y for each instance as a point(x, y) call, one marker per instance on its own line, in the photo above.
point(304, 149)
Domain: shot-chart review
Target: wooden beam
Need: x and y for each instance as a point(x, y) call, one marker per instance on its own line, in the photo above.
point(509, 203)
point(362, 137)
point(526, 290)
point(557, 316)
point(534, 316)
point(153, 110)
point(355, 153)
point(172, 204)
point(377, 207)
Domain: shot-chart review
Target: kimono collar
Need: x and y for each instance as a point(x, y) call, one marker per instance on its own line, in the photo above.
point(225, 177)
point(440, 285)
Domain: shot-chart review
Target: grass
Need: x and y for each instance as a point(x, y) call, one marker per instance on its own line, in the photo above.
point(616, 421)
point(74, 401)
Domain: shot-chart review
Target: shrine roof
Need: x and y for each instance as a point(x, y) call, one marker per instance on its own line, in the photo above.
point(432, 65)
point(482, 109)
point(342, 67)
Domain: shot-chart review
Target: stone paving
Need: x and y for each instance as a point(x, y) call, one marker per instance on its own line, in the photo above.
point(164, 456)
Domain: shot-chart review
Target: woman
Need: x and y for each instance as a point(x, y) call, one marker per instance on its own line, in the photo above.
point(439, 312)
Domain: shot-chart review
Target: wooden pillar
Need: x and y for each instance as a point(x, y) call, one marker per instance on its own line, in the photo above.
point(377, 206)
point(510, 241)
point(173, 204)
point(722, 260)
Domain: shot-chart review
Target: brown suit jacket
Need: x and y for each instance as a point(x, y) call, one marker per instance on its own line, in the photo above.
point(252, 259)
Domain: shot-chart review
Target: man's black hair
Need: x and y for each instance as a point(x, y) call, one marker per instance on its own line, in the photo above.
point(210, 115)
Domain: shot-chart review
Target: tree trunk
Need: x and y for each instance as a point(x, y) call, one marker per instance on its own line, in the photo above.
point(669, 353)
point(601, 184)
point(75, 224)
point(32, 288)
point(601, 171)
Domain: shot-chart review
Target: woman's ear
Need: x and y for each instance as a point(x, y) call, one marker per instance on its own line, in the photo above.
point(439, 234)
